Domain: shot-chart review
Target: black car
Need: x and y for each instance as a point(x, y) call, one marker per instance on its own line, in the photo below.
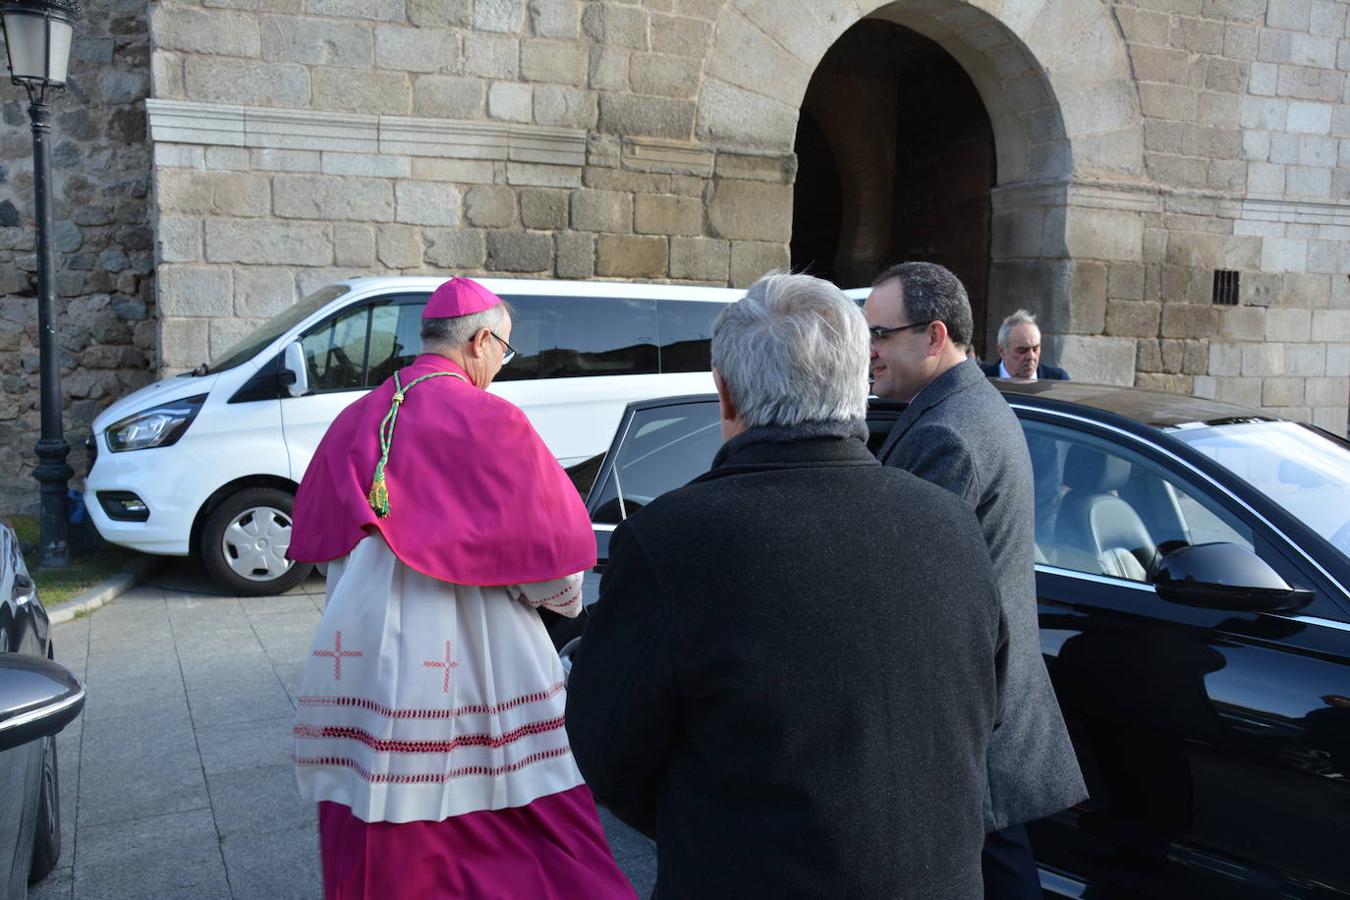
point(38, 698)
point(1192, 570)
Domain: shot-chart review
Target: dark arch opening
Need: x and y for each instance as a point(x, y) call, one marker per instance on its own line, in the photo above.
point(817, 201)
point(896, 161)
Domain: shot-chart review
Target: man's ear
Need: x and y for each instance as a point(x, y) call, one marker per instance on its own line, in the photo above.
point(728, 405)
point(478, 342)
point(937, 336)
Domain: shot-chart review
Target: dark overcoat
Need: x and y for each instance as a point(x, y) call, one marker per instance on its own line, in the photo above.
point(790, 678)
point(1043, 372)
point(960, 433)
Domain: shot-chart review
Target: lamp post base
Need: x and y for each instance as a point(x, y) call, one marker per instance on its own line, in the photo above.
point(53, 473)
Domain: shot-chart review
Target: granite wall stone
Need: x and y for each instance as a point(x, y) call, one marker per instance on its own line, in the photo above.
point(106, 313)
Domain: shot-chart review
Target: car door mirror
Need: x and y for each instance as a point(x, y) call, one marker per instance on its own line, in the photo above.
point(1224, 576)
point(23, 590)
point(293, 364)
point(37, 698)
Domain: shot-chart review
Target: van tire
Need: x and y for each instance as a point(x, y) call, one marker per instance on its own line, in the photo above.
point(263, 512)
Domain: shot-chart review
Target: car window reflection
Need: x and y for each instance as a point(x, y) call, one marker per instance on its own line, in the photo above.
point(664, 448)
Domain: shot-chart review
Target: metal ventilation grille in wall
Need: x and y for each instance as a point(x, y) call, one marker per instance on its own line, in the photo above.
point(1225, 287)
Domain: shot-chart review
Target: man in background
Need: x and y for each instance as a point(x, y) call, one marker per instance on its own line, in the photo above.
point(1019, 350)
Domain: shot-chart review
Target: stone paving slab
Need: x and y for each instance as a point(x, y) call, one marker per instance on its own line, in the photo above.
point(176, 781)
point(174, 855)
point(278, 865)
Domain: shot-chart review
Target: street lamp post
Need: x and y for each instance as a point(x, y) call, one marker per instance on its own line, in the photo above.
point(37, 38)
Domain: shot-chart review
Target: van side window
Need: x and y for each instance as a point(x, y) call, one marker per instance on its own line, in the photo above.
point(572, 337)
point(361, 347)
point(395, 338)
point(336, 351)
point(686, 334)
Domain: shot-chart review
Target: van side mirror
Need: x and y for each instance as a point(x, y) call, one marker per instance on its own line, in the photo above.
point(1224, 576)
point(293, 363)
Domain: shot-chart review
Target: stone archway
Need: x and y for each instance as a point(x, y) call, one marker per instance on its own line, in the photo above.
point(895, 160)
point(1055, 80)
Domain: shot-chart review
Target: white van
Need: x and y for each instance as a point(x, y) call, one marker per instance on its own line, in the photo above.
point(209, 462)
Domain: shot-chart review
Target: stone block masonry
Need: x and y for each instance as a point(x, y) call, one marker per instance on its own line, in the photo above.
point(106, 316)
point(258, 205)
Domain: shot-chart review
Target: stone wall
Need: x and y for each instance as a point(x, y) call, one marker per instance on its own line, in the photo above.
point(1247, 134)
point(553, 139)
point(105, 265)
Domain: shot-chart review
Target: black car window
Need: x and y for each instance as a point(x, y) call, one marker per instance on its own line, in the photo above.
point(1106, 510)
point(662, 449)
point(571, 337)
point(1304, 470)
point(686, 334)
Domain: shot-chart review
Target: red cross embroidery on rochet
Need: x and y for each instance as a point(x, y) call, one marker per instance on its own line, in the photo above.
point(447, 664)
point(337, 653)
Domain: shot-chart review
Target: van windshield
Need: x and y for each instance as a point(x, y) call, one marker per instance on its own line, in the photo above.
point(269, 331)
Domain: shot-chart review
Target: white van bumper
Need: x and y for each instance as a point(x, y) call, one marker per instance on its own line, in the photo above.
point(155, 478)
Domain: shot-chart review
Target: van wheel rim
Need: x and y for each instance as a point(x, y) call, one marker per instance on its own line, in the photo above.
point(255, 544)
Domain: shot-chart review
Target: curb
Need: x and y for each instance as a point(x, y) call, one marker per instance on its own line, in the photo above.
point(106, 591)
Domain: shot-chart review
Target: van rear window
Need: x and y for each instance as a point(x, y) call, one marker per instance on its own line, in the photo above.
point(686, 334)
point(574, 337)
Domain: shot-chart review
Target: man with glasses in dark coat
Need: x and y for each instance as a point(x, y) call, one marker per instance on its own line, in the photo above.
point(959, 433)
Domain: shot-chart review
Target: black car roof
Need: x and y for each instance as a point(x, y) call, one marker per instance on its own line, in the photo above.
point(1153, 408)
point(1150, 408)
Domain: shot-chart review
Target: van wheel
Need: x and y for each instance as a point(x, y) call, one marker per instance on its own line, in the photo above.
point(244, 543)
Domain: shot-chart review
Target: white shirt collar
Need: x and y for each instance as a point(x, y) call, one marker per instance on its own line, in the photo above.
point(1004, 373)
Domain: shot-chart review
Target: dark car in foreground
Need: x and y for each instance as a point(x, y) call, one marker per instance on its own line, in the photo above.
point(38, 698)
point(1193, 577)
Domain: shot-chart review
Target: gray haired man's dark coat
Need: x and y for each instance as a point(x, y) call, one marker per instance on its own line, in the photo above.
point(960, 433)
point(787, 685)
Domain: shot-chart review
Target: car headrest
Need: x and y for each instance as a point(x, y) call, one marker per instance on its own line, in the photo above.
point(1094, 472)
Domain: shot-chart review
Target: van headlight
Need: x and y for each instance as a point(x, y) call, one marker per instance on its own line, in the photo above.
point(158, 426)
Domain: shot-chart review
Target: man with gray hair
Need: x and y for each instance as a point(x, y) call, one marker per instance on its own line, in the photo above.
point(958, 433)
point(785, 683)
point(1019, 350)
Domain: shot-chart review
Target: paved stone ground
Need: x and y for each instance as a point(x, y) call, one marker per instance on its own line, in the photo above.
point(176, 781)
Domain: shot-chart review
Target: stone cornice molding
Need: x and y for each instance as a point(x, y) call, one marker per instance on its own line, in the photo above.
point(226, 125)
point(1080, 193)
point(1150, 198)
point(1294, 211)
point(656, 155)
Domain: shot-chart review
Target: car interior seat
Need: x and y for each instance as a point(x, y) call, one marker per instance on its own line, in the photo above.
point(1095, 530)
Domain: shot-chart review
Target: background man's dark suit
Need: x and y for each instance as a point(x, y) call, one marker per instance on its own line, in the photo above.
point(790, 678)
point(959, 433)
point(1054, 373)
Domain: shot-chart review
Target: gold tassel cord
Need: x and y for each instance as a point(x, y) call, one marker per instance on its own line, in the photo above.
point(378, 497)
